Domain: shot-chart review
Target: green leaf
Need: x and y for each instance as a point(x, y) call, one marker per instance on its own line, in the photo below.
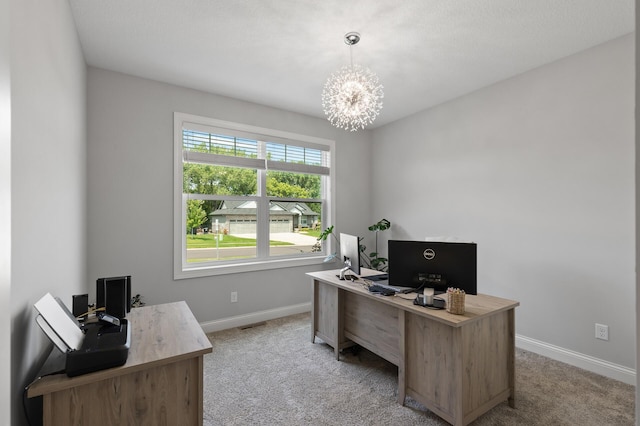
point(381, 225)
point(325, 234)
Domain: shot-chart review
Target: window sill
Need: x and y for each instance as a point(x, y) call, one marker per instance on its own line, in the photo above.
point(236, 268)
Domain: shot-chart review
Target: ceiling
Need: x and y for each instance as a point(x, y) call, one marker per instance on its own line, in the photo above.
point(280, 52)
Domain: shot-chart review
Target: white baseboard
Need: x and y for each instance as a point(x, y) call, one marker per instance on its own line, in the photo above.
point(595, 365)
point(254, 317)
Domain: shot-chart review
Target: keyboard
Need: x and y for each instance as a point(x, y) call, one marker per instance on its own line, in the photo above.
point(383, 290)
point(379, 277)
point(395, 288)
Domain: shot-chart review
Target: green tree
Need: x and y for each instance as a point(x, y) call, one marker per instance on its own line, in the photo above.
point(310, 183)
point(283, 189)
point(295, 185)
point(235, 180)
point(218, 180)
point(196, 215)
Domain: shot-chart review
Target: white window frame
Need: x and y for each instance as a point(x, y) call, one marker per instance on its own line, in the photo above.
point(184, 270)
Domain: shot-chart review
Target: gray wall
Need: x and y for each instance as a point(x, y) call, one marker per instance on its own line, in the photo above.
point(130, 198)
point(48, 175)
point(5, 216)
point(539, 171)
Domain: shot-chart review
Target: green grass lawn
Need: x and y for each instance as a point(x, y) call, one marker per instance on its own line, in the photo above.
point(312, 233)
point(209, 241)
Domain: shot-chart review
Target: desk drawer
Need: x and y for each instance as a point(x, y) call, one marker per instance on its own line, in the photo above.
point(373, 325)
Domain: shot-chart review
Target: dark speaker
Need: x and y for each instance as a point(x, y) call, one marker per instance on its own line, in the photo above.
point(80, 304)
point(114, 294)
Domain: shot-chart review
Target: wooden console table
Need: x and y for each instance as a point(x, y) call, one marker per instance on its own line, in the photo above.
point(160, 384)
point(458, 366)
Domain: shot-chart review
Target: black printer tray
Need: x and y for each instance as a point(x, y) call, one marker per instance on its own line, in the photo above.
point(104, 346)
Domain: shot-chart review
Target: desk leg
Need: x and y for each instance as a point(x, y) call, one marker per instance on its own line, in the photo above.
point(458, 370)
point(47, 410)
point(511, 357)
point(200, 380)
point(339, 322)
point(402, 382)
point(314, 310)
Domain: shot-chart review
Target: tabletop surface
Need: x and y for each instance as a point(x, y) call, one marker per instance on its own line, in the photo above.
point(160, 334)
point(476, 306)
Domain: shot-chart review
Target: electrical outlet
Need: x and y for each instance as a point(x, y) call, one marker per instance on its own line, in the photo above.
point(602, 331)
point(234, 296)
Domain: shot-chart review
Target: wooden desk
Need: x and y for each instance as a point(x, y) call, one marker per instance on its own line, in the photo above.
point(160, 384)
point(458, 366)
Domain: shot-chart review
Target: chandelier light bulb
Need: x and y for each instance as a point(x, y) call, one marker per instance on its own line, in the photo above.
point(352, 96)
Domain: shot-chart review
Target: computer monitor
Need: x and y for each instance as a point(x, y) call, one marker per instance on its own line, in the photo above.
point(433, 264)
point(350, 253)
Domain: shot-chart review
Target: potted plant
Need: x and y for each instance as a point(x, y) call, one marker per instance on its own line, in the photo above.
point(136, 301)
point(373, 260)
point(323, 237)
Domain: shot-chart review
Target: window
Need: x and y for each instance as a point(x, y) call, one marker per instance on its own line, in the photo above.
point(247, 198)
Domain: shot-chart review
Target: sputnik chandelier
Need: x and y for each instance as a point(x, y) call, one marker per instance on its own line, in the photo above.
point(352, 96)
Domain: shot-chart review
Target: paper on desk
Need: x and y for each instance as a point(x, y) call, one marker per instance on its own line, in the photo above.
point(63, 325)
point(44, 325)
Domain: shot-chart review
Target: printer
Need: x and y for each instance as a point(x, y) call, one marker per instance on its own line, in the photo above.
point(88, 347)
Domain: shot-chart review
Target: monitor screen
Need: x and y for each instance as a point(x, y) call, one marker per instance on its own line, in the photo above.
point(350, 252)
point(433, 264)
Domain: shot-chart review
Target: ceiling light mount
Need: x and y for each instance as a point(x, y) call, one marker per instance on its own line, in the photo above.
point(352, 96)
point(351, 38)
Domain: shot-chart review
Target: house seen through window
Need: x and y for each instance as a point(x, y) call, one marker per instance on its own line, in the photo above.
point(250, 198)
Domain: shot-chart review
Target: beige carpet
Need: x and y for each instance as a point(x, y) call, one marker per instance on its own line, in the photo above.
point(272, 374)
